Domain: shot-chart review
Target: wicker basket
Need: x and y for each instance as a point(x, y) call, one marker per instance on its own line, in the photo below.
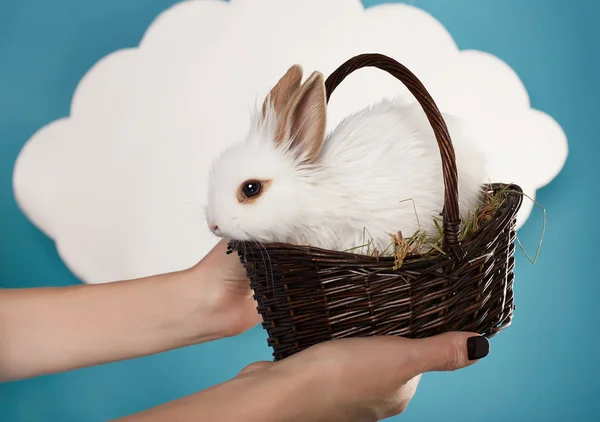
point(308, 295)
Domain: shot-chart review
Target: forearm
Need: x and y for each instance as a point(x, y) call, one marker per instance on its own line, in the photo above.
point(57, 329)
point(265, 396)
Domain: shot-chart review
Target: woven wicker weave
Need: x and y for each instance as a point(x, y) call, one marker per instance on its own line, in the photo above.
point(308, 295)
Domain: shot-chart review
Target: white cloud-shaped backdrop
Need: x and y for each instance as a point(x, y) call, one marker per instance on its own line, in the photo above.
point(119, 183)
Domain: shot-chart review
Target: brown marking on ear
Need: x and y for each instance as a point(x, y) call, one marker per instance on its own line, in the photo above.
point(283, 91)
point(243, 200)
point(308, 118)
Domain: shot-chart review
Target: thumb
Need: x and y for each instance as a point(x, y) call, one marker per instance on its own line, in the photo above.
point(448, 352)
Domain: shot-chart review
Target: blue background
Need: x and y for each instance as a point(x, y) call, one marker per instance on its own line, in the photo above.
point(544, 368)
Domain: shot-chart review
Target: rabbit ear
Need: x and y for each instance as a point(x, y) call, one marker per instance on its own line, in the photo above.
point(307, 118)
point(283, 91)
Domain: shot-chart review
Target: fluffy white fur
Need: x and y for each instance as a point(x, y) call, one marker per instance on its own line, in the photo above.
point(362, 187)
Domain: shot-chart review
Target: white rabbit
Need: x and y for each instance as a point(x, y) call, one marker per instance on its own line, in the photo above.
point(288, 182)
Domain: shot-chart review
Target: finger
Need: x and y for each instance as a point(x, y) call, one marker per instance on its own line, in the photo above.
point(447, 352)
point(397, 402)
point(256, 366)
point(405, 395)
point(408, 391)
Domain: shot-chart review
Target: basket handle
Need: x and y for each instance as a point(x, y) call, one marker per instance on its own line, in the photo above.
point(450, 213)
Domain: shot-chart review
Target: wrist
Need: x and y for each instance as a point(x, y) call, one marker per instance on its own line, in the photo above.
point(278, 395)
point(223, 290)
point(200, 313)
point(323, 391)
point(298, 394)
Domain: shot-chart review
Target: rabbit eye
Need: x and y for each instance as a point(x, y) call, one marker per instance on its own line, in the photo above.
point(251, 188)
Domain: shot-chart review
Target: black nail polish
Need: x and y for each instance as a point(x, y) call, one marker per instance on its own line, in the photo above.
point(478, 347)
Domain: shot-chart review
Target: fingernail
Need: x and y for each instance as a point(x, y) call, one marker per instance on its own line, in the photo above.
point(478, 347)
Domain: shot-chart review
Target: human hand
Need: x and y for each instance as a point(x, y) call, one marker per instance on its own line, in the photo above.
point(226, 290)
point(350, 380)
point(363, 379)
point(76, 326)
